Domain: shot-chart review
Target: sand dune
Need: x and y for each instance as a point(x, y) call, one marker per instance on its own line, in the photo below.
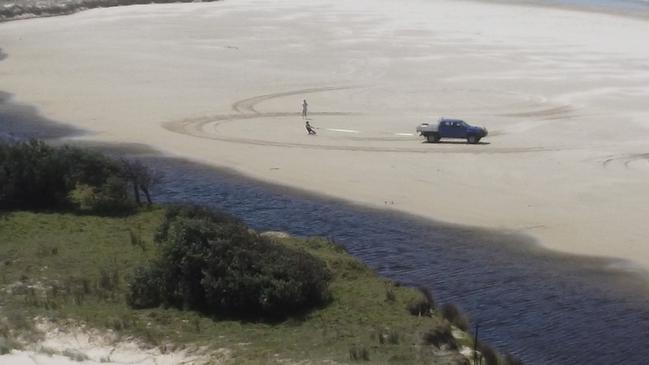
point(69, 344)
point(562, 93)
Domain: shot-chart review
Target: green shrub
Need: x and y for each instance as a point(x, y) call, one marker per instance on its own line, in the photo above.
point(389, 295)
point(212, 263)
point(112, 196)
point(488, 354)
point(454, 315)
point(85, 196)
point(175, 212)
point(422, 306)
point(440, 337)
point(34, 175)
point(146, 287)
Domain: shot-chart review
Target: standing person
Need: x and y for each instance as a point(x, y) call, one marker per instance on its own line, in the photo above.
point(304, 108)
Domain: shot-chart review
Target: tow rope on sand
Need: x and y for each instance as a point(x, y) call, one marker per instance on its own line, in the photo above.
point(343, 130)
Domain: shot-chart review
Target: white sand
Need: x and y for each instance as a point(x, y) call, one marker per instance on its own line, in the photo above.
point(76, 345)
point(564, 95)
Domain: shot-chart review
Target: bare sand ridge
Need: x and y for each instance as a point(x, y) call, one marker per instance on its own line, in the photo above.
point(563, 94)
point(77, 345)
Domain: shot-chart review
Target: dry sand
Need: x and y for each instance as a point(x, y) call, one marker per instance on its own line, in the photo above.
point(77, 345)
point(563, 93)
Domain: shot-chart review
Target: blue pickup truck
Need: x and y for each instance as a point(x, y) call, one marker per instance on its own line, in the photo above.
point(451, 128)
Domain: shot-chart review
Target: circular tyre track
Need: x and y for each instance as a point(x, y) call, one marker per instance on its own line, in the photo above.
point(245, 109)
point(629, 161)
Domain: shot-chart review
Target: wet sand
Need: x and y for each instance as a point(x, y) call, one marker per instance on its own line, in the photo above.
point(562, 93)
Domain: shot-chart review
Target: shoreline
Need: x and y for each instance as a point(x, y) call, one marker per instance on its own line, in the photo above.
point(513, 241)
point(627, 11)
point(524, 242)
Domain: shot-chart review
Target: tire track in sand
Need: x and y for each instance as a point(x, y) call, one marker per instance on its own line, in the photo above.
point(248, 105)
point(245, 109)
point(629, 161)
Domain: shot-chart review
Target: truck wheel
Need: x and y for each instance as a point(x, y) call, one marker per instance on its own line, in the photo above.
point(472, 139)
point(433, 138)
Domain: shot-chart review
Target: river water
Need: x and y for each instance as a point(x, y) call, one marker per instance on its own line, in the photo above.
point(626, 7)
point(544, 307)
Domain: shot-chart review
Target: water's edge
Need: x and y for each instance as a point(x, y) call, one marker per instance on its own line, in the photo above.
point(634, 9)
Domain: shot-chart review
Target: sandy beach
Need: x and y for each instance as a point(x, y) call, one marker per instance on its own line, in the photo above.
point(563, 94)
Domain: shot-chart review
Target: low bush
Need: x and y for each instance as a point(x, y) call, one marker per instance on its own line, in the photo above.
point(175, 212)
point(110, 197)
point(424, 305)
point(359, 354)
point(389, 294)
point(454, 315)
point(488, 354)
point(212, 263)
point(34, 175)
point(146, 287)
point(440, 337)
point(5, 348)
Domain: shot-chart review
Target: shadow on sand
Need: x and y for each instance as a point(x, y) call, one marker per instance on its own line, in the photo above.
point(19, 121)
point(461, 142)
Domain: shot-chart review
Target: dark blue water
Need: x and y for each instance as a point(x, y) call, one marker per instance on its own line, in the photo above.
point(638, 8)
point(545, 308)
point(612, 6)
point(615, 5)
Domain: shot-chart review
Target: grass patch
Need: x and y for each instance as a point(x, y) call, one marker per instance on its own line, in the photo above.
point(85, 279)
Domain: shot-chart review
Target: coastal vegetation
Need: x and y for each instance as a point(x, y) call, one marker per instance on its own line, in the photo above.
point(77, 248)
point(214, 264)
point(17, 9)
point(64, 266)
point(34, 175)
